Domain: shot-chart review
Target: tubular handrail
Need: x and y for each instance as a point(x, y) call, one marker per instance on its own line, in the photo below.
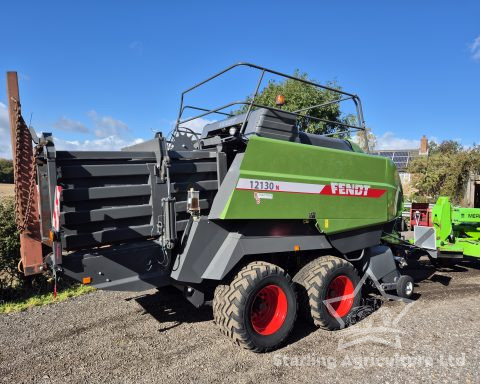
point(216, 110)
point(204, 109)
point(251, 104)
point(322, 105)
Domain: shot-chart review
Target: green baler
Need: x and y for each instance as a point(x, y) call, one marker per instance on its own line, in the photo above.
point(252, 214)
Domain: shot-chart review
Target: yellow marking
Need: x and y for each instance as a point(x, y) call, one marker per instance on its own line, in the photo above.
point(326, 223)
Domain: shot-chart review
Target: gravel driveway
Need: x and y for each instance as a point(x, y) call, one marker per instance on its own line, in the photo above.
point(108, 337)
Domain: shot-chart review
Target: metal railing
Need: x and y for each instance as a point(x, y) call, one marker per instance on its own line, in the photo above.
point(251, 104)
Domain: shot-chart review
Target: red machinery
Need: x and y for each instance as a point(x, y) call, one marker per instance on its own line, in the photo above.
point(420, 214)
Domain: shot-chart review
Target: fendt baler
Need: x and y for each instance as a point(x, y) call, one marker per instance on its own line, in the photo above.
point(229, 215)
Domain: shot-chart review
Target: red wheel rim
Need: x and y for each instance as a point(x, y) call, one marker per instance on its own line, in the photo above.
point(340, 295)
point(269, 309)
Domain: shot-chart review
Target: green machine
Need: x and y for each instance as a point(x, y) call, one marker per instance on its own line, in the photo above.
point(457, 229)
point(252, 215)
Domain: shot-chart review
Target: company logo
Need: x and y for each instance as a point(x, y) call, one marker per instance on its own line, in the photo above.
point(349, 189)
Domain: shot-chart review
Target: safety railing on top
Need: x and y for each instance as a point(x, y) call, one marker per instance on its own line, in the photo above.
point(251, 104)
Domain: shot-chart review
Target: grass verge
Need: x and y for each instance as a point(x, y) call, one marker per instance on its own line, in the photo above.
point(44, 299)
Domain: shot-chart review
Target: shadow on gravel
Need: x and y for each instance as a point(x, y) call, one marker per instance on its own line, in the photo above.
point(168, 305)
point(473, 263)
point(300, 330)
point(444, 280)
point(423, 270)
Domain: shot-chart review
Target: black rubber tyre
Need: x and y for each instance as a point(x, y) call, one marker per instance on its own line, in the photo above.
point(235, 306)
point(313, 284)
point(405, 286)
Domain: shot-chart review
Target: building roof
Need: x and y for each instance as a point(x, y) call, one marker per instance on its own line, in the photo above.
point(400, 157)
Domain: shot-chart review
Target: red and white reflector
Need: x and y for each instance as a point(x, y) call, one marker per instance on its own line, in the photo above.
point(56, 209)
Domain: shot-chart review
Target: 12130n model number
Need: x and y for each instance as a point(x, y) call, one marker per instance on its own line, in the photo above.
point(263, 185)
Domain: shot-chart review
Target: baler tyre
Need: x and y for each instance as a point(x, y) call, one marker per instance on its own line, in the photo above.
point(322, 281)
point(258, 308)
point(405, 285)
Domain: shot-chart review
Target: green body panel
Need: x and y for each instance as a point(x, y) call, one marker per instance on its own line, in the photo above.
point(442, 218)
point(284, 161)
point(457, 228)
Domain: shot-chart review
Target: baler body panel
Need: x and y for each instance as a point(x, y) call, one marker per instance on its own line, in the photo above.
point(343, 190)
point(113, 197)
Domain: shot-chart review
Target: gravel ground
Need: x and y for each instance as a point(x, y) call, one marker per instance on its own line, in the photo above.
point(158, 337)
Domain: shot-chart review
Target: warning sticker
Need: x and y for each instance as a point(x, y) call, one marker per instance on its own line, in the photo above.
point(260, 195)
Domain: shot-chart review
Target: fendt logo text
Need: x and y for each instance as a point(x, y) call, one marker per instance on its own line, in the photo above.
point(349, 189)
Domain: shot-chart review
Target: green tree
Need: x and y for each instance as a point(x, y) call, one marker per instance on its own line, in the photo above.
point(6, 171)
point(444, 172)
point(299, 96)
point(13, 284)
point(447, 146)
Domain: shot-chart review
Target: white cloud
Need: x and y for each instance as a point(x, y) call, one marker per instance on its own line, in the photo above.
point(106, 126)
point(110, 134)
point(110, 143)
point(5, 146)
point(389, 141)
point(69, 125)
point(475, 49)
point(197, 124)
point(136, 46)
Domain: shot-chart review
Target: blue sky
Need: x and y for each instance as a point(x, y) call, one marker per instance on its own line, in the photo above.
point(103, 74)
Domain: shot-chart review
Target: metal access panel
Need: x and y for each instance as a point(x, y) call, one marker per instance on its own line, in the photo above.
point(132, 266)
point(106, 197)
point(116, 197)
